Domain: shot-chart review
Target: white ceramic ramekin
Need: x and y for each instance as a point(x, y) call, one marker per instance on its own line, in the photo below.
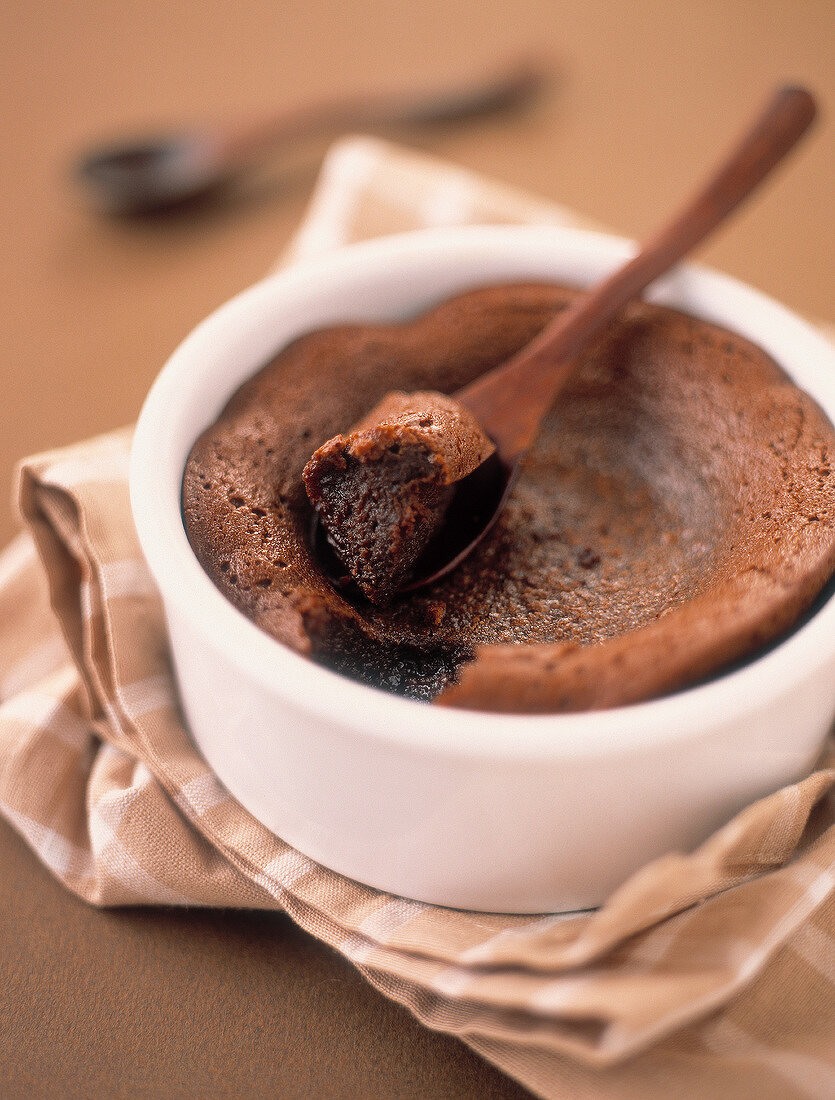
point(483, 811)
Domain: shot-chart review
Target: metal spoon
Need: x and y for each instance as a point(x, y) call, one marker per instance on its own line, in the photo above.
point(511, 400)
point(138, 176)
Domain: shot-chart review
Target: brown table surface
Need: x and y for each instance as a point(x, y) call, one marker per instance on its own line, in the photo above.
point(152, 1002)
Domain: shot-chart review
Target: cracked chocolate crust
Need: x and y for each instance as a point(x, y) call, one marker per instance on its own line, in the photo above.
point(676, 514)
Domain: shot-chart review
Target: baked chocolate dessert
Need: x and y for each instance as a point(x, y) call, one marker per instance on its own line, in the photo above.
point(383, 490)
point(676, 514)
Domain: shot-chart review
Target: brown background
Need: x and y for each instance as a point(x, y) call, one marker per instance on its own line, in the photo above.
point(646, 93)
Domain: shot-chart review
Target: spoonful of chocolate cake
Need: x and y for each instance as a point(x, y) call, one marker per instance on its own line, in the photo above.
point(410, 490)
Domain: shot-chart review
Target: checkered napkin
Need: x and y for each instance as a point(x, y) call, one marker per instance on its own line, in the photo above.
point(715, 968)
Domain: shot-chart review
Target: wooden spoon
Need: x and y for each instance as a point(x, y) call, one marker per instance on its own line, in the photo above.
point(511, 400)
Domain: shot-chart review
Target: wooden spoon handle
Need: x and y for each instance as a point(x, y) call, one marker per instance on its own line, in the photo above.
point(511, 400)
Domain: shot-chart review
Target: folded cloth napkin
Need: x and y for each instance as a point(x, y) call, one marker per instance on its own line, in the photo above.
point(715, 967)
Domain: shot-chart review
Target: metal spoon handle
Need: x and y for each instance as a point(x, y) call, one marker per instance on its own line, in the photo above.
point(491, 91)
point(511, 400)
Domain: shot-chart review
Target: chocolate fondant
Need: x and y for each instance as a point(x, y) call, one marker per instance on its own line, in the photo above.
point(676, 513)
point(383, 490)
